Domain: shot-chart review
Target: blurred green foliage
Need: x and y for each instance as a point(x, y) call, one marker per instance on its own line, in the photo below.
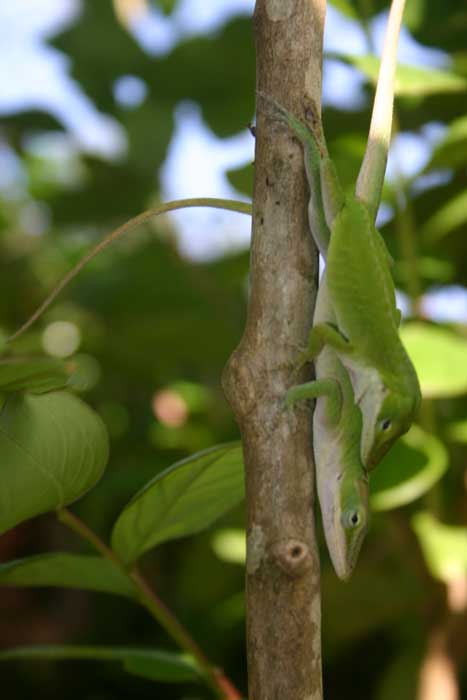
point(152, 321)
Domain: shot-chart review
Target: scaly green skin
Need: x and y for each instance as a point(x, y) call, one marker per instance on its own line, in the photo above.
point(385, 383)
point(341, 478)
point(362, 296)
point(367, 340)
point(360, 285)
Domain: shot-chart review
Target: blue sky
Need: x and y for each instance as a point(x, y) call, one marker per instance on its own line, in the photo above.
point(35, 75)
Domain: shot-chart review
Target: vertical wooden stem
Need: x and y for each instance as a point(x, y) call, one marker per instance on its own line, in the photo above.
point(282, 580)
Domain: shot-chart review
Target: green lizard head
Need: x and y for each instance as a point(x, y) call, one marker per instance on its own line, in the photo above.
point(346, 523)
point(393, 417)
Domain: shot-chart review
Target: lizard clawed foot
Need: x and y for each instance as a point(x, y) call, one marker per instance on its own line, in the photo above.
point(274, 109)
point(303, 359)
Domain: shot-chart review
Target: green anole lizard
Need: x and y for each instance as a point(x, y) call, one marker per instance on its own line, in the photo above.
point(360, 284)
point(364, 330)
point(341, 477)
point(337, 422)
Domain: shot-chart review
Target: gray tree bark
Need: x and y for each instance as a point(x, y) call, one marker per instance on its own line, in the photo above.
point(283, 576)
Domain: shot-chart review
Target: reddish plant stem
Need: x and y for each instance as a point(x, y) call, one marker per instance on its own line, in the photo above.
point(214, 677)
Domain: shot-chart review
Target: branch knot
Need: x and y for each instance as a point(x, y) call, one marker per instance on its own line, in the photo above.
point(293, 556)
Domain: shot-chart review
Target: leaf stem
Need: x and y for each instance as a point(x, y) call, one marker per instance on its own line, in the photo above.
point(215, 677)
point(210, 202)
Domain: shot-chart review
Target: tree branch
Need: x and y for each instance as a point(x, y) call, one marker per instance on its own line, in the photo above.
point(282, 580)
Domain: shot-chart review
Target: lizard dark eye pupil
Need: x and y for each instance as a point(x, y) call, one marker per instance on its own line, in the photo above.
point(386, 424)
point(354, 519)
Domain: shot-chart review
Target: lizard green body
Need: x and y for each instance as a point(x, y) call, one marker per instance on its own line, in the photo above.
point(363, 325)
point(367, 339)
point(356, 320)
point(341, 478)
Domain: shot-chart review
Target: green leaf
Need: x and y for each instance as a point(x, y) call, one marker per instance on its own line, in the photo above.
point(446, 219)
point(242, 179)
point(167, 6)
point(149, 663)
point(411, 81)
point(444, 546)
point(440, 358)
point(68, 571)
point(415, 463)
point(53, 448)
point(169, 668)
point(345, 6)
point(451, 152)
point(182, 500)
point(34, 375)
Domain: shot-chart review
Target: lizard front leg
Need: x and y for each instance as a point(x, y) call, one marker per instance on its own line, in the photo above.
point(325, 334)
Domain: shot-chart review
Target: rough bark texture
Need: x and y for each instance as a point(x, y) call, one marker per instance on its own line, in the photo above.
point(282, 580)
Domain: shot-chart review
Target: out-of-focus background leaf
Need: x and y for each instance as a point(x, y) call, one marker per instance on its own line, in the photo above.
point(54, 449)
point(108, 108)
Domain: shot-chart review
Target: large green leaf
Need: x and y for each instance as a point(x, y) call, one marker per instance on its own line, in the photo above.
point(451, 152)
point(346, 8)
point(440, 358)
point(167, 6)
point(438, 23)
point(415, 463)
point(36, 375)
point(53, 448)
point(444, 546)
point(68, 571)
point(182, 500)
point(242, 179)
point(411, 81)
point(150, 663)
point(449, 217)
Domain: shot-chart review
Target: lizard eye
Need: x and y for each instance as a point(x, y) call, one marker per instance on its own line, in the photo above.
point(351, 519)
point(386, 424)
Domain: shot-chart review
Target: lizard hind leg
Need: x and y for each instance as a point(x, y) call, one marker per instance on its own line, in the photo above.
point(281, 114)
